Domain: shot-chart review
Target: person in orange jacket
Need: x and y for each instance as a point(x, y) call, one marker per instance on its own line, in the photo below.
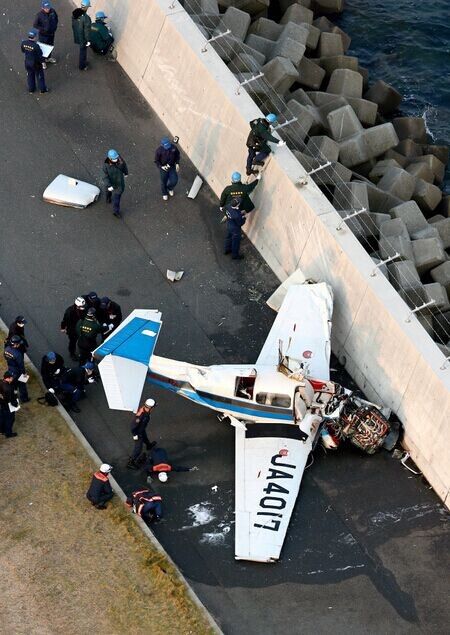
point(100, 490)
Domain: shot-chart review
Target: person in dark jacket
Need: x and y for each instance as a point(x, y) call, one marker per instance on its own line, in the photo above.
point(258, 141)
point(92, 300)
point(167, 159)
point(114, 172)
point(101, 36)
point(100, 490)
point(34, 63)
point(159, 465)
point(109, 315)
point(52, 367)
point(88, 329)
point(16, 366)
point(139, 431)
point(146, 504)
point(81, 27)
point(7, 399)
point(46, 22)
point(235, 220)
point(73, 382)
point(239, 190)
point(72, 315)
point(18, 328)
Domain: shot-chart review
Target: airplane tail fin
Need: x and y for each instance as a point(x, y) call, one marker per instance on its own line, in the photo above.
point(125, 357)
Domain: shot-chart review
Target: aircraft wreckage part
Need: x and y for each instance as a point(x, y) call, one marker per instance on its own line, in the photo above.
point(70, 192)
point(125, 356)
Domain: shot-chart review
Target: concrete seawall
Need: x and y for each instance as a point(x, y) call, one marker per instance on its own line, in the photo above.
point(393, 360)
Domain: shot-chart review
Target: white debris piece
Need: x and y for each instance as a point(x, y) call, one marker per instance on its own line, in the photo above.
point(174, 276)
point(195, 188)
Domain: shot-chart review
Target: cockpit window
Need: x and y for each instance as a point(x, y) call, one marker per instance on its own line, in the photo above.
point(273, 399)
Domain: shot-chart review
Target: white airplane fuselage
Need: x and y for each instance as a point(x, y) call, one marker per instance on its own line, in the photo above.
point(245, 392)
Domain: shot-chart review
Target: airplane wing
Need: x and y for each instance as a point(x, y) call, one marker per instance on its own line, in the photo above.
point(125, 356)
point(303, 324)
point(270, 461)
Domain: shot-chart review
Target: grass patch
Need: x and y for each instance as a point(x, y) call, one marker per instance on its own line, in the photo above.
point(66, 567)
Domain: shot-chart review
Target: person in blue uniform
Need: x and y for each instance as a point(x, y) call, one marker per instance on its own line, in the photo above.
point(146, 504)
point(52, 367)
point(159, 465)
point(235, 220)
point(16, 365)
point(46, 22)
point(33, 63)
point(167, 159)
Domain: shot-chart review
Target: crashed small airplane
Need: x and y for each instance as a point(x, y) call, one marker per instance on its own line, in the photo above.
point(279, 406)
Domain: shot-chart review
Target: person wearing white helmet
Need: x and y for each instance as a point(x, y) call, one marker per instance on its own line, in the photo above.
point(139, 432)
point(100, 490)
point(72, 315)
point(159, 465)
point(258, 141)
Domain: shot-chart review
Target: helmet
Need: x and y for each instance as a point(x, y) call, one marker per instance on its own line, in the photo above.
point(105, 468)
point(20, 320)
point(80, 302)
point(86, 3)
point(100, 15)
point(15, 339)
point(32, 33)
point(165, 142)
point(51, 356)
point(150, 403)
point(271, 118)
point(236, 177)
point(89, 366)
point(104, 302)
point(113, 155)
point(91, 312)
point(163, 477)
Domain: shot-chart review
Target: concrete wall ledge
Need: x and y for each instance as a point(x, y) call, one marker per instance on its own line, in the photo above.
point(394, 361)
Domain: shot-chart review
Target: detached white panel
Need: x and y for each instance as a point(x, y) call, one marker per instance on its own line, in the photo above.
point(70, 192)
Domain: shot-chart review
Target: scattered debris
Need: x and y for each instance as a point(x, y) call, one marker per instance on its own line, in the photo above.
point(214, 488)
point(195, 188)
point(174, 276)
point(201, 514)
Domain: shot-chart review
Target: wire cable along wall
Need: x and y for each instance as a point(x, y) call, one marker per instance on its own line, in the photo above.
point(251, 78)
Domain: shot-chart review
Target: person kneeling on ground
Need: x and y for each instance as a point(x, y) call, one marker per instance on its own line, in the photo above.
point(101, 36)
point(72, 385)
point(146, 504)
point(100, 490)
point(158, 465)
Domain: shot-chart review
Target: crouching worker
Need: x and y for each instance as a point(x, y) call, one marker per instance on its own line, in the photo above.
point(146, 504)
point(101, 36)
point(158, 465)
point(100, 490)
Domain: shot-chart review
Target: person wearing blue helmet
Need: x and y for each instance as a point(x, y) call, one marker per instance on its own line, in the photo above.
point(81, 28)
point(114, 172)
point(46, 22)
point(258, 141)
point(52, 365)
point(239, 190)
point(167, 159)
point(34, 61)
point(101, 37)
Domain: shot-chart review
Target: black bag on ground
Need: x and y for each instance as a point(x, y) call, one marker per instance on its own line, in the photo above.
point(48, 399)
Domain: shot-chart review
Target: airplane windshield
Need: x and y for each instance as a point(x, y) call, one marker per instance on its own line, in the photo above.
point(273, 399)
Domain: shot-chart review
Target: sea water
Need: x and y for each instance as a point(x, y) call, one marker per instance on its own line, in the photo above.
point(407, 44)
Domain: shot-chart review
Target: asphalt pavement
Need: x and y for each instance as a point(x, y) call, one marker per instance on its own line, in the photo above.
point(367, 549)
